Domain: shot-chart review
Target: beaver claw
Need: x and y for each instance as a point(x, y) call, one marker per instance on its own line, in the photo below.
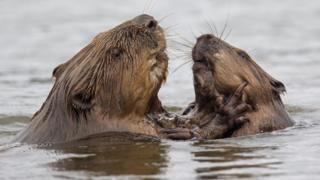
point(234, 108)
point(229, 116)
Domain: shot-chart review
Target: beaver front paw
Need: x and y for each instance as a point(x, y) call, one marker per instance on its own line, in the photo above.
point(232, 110)
point(230, 116)
point(177, 133)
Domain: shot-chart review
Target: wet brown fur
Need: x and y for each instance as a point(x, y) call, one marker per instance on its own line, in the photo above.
point(110, 85)
point(230, 67)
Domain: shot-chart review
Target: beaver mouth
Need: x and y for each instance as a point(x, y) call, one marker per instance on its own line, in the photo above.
point(201, 55)
point(206, 51)
point(160, 54)
point(201, 61)
point(161, 58)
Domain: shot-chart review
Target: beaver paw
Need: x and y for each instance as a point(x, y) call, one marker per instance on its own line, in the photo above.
point(232, 110)
point(181, 133)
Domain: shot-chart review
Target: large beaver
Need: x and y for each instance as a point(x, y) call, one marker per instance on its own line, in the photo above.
point(220, 67)
point(111, 85)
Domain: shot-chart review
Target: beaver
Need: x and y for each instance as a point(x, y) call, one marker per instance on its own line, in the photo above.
point(109, 85)
point(221, 68)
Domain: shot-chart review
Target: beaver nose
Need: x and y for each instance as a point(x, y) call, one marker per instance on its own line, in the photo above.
point(206, 44)
point(146, 21)
point(199, 50)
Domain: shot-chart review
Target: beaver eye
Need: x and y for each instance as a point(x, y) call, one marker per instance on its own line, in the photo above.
point(243, 54)
point(116, 53)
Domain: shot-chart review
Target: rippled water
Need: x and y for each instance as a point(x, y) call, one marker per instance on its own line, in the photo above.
point(283, 37)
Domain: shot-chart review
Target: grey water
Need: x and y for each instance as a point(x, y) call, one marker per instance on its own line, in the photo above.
point(282, 36)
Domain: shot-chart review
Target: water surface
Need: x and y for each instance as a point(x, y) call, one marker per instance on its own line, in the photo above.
point(282, 36)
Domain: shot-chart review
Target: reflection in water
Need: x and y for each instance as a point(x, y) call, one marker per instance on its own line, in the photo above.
point(121, 157)
point(220, 160)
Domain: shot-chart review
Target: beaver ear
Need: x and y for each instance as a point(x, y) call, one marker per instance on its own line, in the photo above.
point(116, 53)
point(277, 86)
point(58, 71)
point(82, 100)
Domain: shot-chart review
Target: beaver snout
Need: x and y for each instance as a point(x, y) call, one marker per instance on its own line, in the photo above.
point(206, 46)
point(147, 21)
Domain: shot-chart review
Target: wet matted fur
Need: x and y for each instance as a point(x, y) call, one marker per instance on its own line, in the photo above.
point(221, 67)
point(110, 85)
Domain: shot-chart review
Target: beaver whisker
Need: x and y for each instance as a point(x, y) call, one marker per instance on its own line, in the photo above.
point(194, 35)
point(153, 3)
point(176, 51)
point(147, 6)
point(165, 17)
point(170, 27)
point(172, 40)
point(177, 44)
point(187, 53)
point(179, 53)
point(171, 36)
point(184, 45)
point(182, 56)
point(212, 27)
point(180, 66)
point(185, 39)
point(187, 45)
point(224, 28)
point(229, 32)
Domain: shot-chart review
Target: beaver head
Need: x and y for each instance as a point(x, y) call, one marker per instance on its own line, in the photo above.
point(118, 72)
point(222, 67)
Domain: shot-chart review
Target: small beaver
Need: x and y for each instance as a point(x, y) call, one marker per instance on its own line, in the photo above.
point(220, 67)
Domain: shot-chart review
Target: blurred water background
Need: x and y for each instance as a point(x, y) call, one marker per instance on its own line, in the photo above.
point(282, 36)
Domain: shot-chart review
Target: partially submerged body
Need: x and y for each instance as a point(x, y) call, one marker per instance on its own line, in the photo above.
point(233, 95)
point(220, 68)
point(110, 86)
